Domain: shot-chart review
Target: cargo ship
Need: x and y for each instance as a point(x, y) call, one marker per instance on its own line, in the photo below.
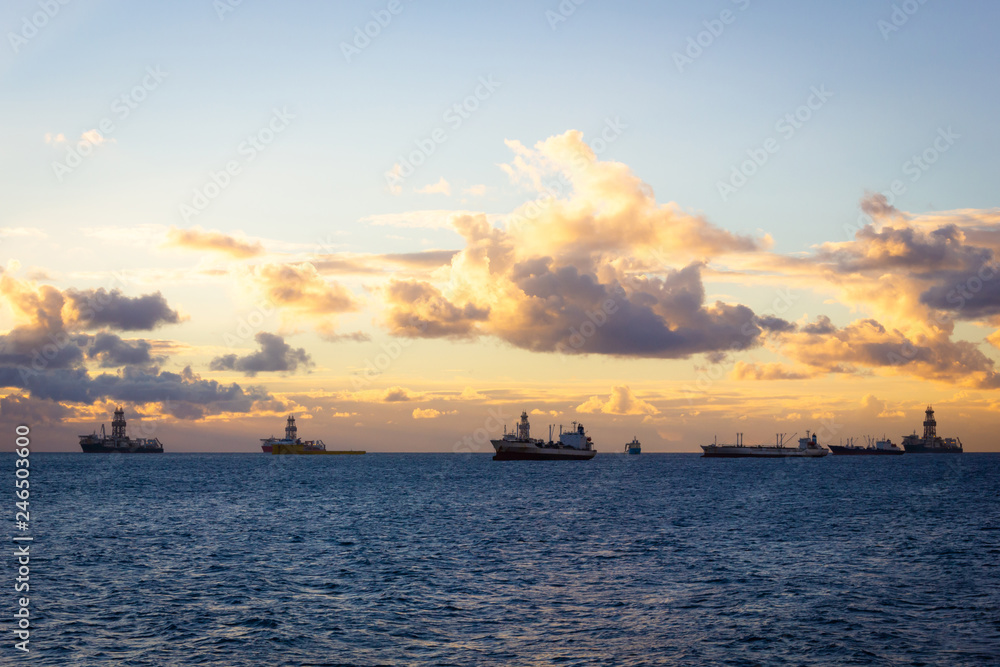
point(883, 447)
point(931, 443)
point(118, 441)
point(633, 447)
point(573, 445)
point(808, 447)
point(292, 444)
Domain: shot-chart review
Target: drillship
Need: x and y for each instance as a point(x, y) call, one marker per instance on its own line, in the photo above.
point(808, 447)
point(119, 441)
point(291, 444)
point(633, 447)
point(931, 443)
point(878, 448)
point(574, 445)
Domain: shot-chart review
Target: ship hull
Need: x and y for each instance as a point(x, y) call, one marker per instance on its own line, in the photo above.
point(97, 448)
point(862, 451)
point(299, 450)
point(513, 451)
point(921, 449)
point(761, 453)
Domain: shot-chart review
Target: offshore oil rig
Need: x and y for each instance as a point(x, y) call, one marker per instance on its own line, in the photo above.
point(118, 441)
point(931, 443)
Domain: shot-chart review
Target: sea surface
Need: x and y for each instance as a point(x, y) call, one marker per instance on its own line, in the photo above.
point(455, 559)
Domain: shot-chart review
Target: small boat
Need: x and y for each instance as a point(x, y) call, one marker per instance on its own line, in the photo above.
point(633, 447)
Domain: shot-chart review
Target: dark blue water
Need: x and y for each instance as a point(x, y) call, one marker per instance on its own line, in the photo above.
point(460, 560)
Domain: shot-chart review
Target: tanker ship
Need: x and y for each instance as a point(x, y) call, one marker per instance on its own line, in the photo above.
point(573, 445)
point(118, 441)
point(931, 443)
point(808, 448)
point(878, 448)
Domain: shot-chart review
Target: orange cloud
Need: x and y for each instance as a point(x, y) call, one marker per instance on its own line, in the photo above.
point(199, 239)
point(621, 402)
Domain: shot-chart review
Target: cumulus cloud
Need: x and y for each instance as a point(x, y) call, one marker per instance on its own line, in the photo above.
point(868, 345)
point(302, 288)
point(592, 206)
point(111, 351)
point(199, 239)
point(430, 413)
point(275, 355)
point(621, 402)
point(588, 271)
point(44, 356)
point(94, 308)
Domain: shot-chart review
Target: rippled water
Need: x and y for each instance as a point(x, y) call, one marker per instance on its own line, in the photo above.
point(459, 560)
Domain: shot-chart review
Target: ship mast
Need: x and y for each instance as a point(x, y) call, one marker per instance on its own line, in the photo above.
point(118, 424)
point(930, 425)
point(290, 430)
point(523, 429)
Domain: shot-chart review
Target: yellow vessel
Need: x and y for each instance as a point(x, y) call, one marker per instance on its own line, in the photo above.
point(304, 450)
point(293, 444)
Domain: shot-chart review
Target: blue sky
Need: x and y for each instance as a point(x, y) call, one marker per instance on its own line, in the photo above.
point(685, 129)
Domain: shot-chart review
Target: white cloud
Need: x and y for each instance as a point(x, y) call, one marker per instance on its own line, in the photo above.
point(442, 187)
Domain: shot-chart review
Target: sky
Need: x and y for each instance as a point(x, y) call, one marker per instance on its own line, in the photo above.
point(406, 221)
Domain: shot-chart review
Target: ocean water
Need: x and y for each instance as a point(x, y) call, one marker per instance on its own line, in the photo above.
point(459, 560)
